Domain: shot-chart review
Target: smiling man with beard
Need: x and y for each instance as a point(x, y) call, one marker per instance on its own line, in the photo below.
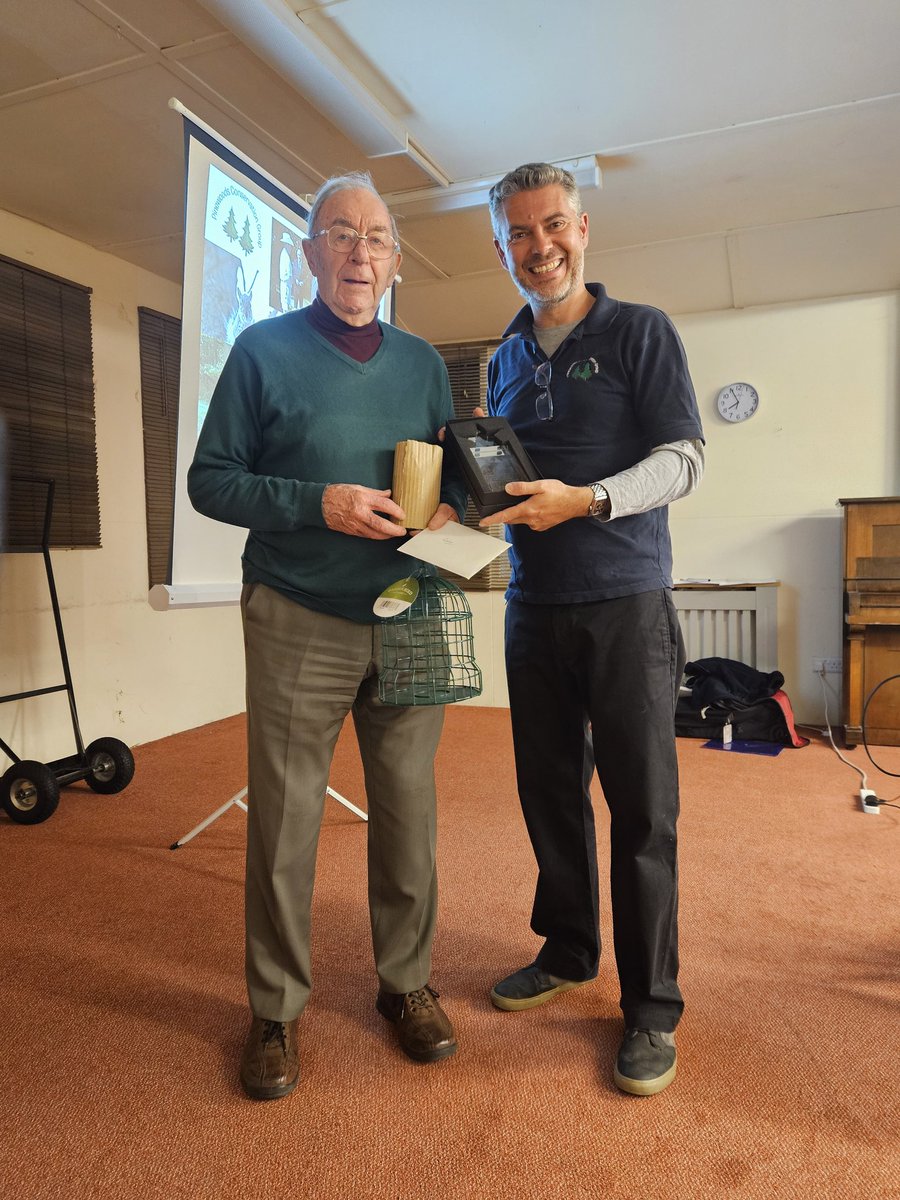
point(599, 394)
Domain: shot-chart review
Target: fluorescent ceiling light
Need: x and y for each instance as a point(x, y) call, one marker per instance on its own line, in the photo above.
point(473, 193)
point(278, 35)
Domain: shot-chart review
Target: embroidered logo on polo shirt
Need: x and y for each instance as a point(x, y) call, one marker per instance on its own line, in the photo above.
point(583, 369)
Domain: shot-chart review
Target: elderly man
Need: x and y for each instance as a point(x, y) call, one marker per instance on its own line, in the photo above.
point(298, 447)
point(599, 394)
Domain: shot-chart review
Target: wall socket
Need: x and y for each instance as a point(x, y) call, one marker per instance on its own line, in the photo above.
point(831, 666)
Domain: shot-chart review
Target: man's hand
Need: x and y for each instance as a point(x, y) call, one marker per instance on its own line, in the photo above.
point(548, 502)
point(443, 514)
point(351, 508)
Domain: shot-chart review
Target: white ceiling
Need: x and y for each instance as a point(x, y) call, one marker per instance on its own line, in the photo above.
point(750, 152)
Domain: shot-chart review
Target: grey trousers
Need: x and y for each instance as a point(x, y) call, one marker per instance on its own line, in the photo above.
point(305, 671)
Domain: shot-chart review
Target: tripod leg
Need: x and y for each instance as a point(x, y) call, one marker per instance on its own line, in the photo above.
point(347, 804)
point(237, 799)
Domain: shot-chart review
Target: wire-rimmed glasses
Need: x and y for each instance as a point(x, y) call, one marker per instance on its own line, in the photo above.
point(543, 405)
point(344, 240)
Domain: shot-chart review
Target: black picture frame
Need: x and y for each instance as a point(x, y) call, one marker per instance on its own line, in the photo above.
point(489, 455)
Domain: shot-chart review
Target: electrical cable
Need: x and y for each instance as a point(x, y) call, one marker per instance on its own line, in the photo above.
point(870, 802)
point(860, 772)
point(867, 797)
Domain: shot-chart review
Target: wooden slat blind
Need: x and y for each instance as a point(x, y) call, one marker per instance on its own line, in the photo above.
point(467, 367)
point(160, 348)
point(47, 400)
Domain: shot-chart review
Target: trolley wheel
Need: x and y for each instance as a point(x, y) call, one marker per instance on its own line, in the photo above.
point(111, 765)
point(29, 792)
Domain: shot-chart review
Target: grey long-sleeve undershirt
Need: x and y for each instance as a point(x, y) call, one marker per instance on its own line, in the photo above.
point(667, 473)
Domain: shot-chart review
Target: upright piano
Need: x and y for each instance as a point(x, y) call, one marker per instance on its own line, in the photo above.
point(871, 620)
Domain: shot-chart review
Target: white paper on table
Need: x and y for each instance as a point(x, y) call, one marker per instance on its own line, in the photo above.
point(454, 547)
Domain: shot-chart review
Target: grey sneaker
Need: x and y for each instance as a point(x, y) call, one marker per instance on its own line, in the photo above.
point(646, 1062)
point(528, 988)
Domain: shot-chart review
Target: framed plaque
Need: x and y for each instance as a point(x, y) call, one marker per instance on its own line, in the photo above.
point(490, 456)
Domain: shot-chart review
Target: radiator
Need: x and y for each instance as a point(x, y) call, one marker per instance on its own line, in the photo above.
point(730, 621)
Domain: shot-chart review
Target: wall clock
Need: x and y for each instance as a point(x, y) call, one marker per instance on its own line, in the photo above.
point(737, 401)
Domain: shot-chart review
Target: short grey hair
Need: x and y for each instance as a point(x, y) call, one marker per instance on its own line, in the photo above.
point(352, 181)
point(528, 178)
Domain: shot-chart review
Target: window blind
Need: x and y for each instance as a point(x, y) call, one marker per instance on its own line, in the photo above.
point(160, 349)
point(47, 400)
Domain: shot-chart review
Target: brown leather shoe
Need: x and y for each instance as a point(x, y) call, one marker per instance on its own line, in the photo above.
point(270, 1065)
point(423, 1028)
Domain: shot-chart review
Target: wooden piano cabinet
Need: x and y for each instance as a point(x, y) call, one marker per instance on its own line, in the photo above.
point(871, 619)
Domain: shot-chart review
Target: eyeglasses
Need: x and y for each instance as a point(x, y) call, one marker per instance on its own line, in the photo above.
point(543, 405)
point(343, 239)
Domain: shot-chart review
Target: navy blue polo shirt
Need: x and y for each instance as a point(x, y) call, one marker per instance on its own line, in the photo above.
point(620, 386)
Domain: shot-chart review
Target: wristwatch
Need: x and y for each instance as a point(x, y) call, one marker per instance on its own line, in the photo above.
point(600, 505)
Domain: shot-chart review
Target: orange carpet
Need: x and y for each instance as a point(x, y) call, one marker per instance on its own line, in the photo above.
point(124, 1010)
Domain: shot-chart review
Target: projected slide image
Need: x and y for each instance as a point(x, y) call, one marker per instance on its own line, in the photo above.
point(253, 268)
point(225, 309)
point(289, 281)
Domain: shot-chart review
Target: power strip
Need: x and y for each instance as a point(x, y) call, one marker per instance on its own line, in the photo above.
point(869, 800)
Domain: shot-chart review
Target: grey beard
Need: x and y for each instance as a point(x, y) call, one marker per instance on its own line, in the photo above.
point(544, 301)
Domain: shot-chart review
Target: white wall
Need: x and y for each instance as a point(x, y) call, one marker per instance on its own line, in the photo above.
point(138, 674)
point(827, 372)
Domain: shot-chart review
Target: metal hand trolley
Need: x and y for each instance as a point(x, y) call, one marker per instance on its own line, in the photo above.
point(29, 790)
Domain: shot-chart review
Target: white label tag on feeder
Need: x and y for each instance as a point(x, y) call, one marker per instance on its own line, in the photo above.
point(396, 597)
point(726, 734)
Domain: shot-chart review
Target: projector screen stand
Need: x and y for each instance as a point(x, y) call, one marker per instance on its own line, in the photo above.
point(239, 800)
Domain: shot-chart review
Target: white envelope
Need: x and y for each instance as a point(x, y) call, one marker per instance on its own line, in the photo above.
point(455, 548)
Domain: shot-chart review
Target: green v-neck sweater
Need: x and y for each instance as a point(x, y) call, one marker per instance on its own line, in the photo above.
point(290, 414)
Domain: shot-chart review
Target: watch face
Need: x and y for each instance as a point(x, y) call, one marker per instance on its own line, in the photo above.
point(737, 401)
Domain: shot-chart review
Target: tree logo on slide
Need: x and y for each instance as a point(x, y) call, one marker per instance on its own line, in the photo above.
point(235, 229)
point(230, 229)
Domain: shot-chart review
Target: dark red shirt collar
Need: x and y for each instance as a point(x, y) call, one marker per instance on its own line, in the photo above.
point(356, 341)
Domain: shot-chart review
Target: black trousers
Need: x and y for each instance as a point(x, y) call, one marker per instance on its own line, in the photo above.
point(597, 684)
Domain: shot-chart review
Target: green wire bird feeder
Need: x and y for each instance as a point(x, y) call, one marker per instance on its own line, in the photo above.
point(428, 651)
